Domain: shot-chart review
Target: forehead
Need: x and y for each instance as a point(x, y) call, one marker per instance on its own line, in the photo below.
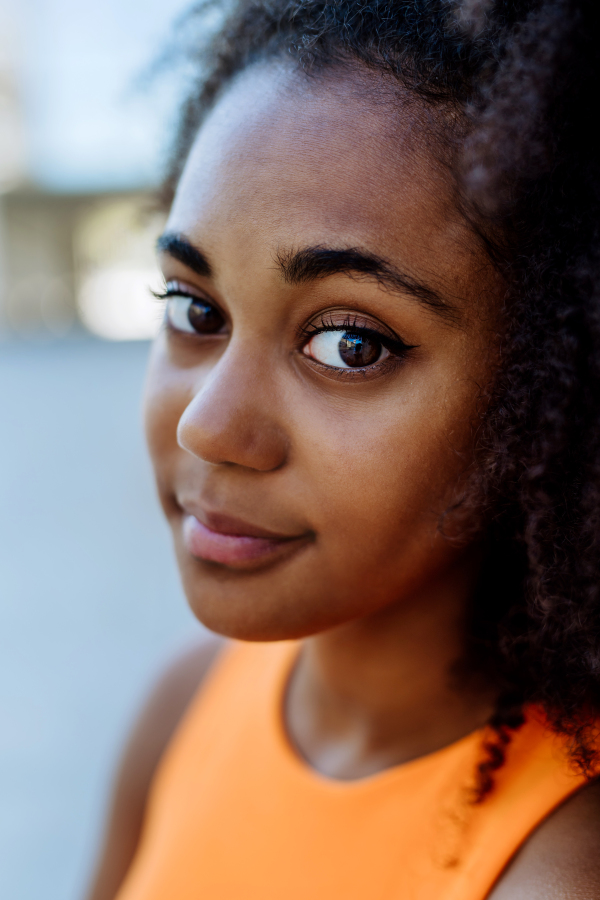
point(286, 160)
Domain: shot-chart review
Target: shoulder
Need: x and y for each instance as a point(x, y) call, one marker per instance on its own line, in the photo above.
point(561, 859)
point(159, 718)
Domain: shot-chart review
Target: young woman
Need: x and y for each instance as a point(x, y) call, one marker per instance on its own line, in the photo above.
point(373, 416)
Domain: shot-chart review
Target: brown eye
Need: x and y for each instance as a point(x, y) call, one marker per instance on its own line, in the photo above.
point(204, 318)
point(343, 349)
point(359, 350)
point(193, 315)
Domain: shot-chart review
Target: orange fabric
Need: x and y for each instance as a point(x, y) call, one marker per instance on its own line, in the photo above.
point(235, 814)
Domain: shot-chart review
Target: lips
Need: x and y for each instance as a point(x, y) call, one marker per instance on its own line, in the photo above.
point(230, 542)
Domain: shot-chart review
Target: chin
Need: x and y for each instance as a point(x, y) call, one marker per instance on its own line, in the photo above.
point(238, 620)
point(250, 607)
point(253, 604)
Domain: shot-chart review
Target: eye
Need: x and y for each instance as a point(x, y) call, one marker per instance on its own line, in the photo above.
point(343, 349)
point(192, 314)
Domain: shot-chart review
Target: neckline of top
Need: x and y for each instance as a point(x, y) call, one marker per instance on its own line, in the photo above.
point(388, 776)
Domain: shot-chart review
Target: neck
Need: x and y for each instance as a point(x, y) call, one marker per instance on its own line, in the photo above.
point(379, 691)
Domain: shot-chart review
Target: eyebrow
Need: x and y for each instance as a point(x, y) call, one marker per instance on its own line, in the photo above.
point(178, 246)
point(313, 263)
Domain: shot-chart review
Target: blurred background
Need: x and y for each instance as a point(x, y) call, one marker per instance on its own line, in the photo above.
point(90, 604)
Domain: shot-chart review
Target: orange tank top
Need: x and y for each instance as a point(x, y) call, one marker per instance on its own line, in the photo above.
point(235, 814)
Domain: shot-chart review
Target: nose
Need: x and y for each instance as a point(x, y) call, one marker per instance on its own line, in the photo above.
point(233, 416)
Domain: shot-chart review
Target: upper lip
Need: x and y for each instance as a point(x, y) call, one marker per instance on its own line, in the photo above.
point(225, 524)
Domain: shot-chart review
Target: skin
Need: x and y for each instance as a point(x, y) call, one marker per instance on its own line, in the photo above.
point(354, 468)
point(362, 464)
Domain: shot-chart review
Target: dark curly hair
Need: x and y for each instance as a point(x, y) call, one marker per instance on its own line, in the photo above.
point(521, 78)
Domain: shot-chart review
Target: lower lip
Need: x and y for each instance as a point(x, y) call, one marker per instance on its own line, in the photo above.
point(234, 550)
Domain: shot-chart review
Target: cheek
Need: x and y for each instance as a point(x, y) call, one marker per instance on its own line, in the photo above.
point(388, 473)
point(165, 399)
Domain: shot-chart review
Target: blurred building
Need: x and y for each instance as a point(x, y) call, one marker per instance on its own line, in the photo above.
point(81, 146)
point(78, 260)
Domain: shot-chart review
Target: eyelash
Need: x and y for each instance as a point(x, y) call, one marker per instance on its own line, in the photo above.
point(175, 292)
point(395, 345)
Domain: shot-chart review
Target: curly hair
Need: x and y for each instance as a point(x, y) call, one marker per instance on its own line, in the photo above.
point(522, 77)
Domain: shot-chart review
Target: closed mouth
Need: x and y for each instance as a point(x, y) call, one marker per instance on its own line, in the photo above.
point(225, 541)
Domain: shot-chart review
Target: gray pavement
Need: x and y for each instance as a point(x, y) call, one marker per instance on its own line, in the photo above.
point(90, 604)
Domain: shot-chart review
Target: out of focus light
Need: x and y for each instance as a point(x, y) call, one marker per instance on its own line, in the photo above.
point(116, 269)
point(117, 304)
point(38, 299)
point(84, 130)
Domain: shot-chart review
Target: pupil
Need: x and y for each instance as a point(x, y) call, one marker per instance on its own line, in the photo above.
point(359, 350)
point(203, 317)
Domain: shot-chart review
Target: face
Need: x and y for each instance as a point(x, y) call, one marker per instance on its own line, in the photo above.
point(312, 395)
